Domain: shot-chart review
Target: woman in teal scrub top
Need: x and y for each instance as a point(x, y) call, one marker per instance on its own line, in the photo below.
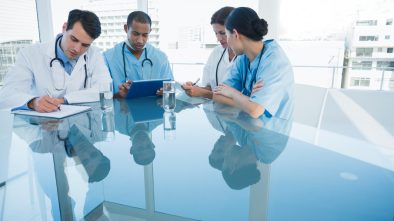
point(261, 81)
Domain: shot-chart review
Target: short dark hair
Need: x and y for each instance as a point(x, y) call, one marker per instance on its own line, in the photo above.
point(90, 22)
point(220, 16)
point(138, 16)
point(247, 22)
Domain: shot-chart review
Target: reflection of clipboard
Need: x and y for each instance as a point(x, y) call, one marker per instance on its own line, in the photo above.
point(145, 109)
point(144, 88)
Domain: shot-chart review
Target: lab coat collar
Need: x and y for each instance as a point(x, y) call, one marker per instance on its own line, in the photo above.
point(51, 54)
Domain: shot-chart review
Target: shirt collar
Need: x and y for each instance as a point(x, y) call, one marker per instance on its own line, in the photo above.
point(60, 53)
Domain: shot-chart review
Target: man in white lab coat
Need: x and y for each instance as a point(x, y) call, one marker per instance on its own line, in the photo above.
point(65, 70)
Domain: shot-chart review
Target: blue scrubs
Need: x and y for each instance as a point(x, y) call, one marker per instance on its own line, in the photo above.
point(274, 69)
point(114, 60)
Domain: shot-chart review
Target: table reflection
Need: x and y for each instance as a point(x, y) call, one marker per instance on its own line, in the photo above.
point(70, 138)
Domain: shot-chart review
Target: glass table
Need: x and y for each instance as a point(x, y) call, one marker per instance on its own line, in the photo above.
point(201, 162)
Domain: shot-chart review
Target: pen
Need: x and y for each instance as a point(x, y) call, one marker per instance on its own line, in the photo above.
point(50, 95)
point(196, 81)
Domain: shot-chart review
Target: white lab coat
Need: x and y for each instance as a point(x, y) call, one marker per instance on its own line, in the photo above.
point(209, 73)
point(31, 76)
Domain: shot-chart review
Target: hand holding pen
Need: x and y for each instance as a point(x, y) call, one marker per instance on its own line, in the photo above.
point(53, 100)
point(192, 89)
point(45, 103)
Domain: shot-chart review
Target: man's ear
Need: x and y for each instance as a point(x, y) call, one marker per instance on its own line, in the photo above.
point(64, 28)
point(125, 28)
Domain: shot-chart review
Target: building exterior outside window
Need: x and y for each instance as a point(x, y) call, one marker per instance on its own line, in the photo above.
point(360, 82)
point(370, 54)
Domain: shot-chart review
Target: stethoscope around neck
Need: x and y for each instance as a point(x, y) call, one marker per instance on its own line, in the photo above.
point(57, 59)
point(217, 66)
point(253, 80)
point(146, 59)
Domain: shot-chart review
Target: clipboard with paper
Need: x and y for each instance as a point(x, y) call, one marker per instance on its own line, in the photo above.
point(65, 111)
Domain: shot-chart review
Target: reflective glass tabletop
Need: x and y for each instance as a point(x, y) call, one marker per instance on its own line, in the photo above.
point(199, 162)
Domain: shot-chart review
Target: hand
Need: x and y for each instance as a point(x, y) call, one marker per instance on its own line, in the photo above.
point(45, 104)
point(124, 89)
point(188, 83)
point(159, 92)
point(257, 86)
point(192, 91)
point(225, 90)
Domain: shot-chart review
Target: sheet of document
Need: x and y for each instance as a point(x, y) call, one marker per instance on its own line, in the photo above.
point(65, 111)
point(181, 95)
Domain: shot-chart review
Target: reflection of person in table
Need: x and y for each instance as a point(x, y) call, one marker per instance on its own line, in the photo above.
point(52, 142)
point(142, 148)
point(237, 152)
point(140, 133)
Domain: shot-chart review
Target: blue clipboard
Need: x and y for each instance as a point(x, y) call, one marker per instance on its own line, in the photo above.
point(145, 88)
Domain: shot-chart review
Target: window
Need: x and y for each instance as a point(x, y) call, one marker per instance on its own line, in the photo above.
point(387, 37)
point(389, 50)
point(380, 49)
point(389, 21)
point(361, 65)
point(368, 38)
point(360, 82)
point(382, 65)
point(366, 23)
point(16, 33)
point(364, 52)
point(112, 14)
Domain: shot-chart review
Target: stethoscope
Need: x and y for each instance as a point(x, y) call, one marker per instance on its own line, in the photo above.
point(253, 80)
point(56, 58)
point(217, 66)
point(146, 59)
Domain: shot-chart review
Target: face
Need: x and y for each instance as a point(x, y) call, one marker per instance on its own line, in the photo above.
point(220, 33)
point(138, 34)
point(233, 41)
point(75, 41)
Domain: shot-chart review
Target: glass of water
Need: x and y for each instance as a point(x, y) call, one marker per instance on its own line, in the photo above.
point(169, 95)
point(106, 95)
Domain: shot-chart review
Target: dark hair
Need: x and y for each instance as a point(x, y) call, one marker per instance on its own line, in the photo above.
point(138, 16)
point(220, 16)
point(247, 22)
point(89, 21)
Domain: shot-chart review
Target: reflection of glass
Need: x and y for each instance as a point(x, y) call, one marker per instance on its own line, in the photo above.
point(108, 125)
point(105, 90)
point(169, 125)
point(169, 95)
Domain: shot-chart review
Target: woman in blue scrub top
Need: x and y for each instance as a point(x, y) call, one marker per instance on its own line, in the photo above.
point(261, 80)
